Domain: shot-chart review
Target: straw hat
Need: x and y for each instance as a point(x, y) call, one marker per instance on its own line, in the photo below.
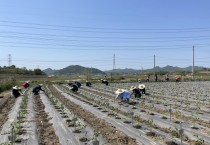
point(15, 87)
point(141, 86)
point(119, 91)
point(41, 85)
point(132, 88)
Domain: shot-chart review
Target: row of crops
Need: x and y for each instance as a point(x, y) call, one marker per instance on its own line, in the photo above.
point(169, 113)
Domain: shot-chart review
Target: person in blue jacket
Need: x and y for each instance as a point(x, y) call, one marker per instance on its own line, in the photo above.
point(125, 95)
point(78, 84)
point(74, 87)
point(88, 83)
point(37, 89)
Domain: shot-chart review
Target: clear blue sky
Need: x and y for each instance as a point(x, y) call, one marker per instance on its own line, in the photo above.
point(55, 33)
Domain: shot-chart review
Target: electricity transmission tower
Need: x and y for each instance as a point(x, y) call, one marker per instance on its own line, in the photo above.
point(9, 60)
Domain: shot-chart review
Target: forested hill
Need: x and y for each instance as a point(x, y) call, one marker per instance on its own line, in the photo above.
point(22, 71)
point(74, 70)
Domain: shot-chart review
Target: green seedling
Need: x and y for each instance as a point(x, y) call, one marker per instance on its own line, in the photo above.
point(15, 127)
point(174, 132)
point(199, 141)
point(6, 143)
point(94, 139)
point(150, 122)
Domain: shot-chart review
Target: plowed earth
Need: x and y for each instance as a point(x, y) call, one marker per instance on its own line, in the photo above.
point(6, 104)
point(45, 130)
point(107, 130)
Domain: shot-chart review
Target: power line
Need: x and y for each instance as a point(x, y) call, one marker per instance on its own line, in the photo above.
point(60, 61)
point(75, 36)
point(205, 44)
point(76, 40)
point(172, 58)
point(104, 48)
point(122, 46)
point(88, 31)
point(101, 28)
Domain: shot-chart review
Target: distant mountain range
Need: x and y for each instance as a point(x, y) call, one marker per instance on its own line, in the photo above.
point(80, 70)
point(49, 71)
point(167, 68)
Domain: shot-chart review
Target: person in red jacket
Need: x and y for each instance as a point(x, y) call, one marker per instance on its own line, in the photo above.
point(178, 79)
point(26, 84)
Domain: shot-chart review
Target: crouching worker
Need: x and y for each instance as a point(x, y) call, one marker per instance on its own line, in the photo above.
point(78, 84)
point(167, 77)
point(26, 84)
point(142, 88)
point(178, 78)
point(37, 89)
point(88, 84)
point(136, 91)
point(16, 92)
point(104, 82)
point(74, 87)
point(125, 95)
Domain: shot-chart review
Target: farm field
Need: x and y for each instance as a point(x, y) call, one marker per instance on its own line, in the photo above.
point(170, 113)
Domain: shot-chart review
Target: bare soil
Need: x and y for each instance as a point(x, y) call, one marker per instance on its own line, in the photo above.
point(45, 130)
point(171, 143)
point(6, 104)
point(107, 130)
point(147, 122)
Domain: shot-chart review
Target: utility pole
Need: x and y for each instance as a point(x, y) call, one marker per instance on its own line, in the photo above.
point(114, 65)
point(154, 64)
point(9, 60)
point(193, 63)
point(111, 77)
point(90, 74)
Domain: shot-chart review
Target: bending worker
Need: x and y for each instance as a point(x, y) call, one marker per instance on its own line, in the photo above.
point(26, 84)
point(37, 89)
point(74, 87)
point(104, 82)
point(125, 95)
point(136, 91)
point(142, 88)
point(16, 92)
point(88, 83)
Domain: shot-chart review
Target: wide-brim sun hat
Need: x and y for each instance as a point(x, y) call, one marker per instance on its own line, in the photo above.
point(119, 91)
point(132, 88)
point(141, 86)
point(15, 87)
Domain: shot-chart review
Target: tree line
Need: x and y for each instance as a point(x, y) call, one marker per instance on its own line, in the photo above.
point(22, 71)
